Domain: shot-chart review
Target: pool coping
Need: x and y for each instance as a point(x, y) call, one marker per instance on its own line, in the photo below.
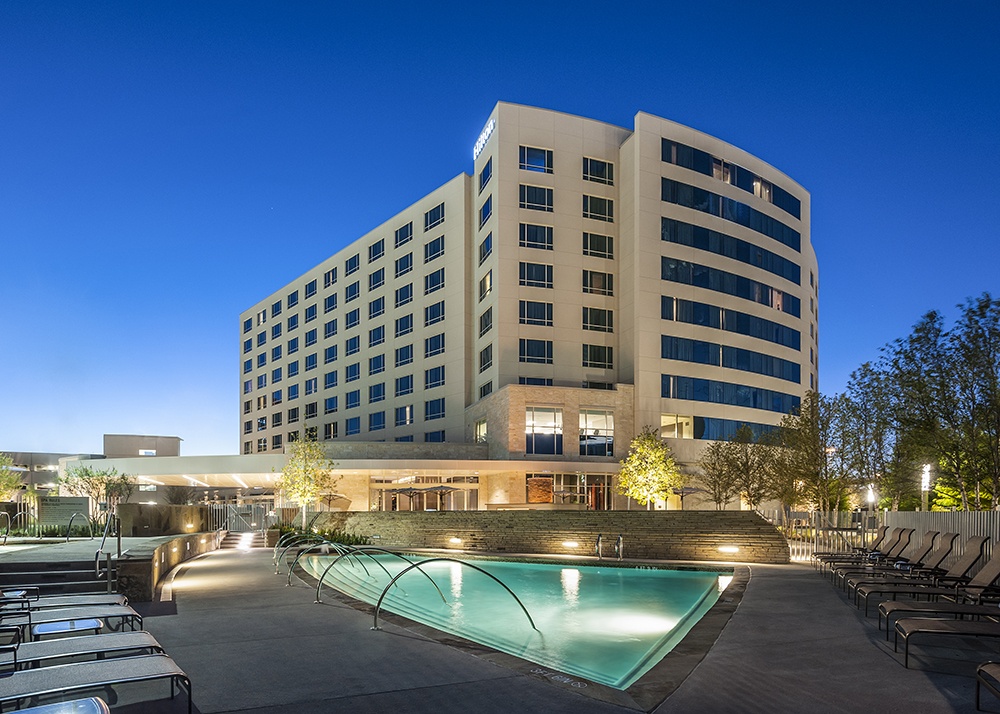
point(649, 691)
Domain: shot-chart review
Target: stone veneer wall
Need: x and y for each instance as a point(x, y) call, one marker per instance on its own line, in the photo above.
point(141, 570)
point(668, 535)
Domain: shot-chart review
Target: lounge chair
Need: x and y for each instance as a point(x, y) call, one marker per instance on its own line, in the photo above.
point(961, 587)
point(929, 567)
point(11, 599)
point(90, 705)
point(20, 655)
point(27, 619)
point(880, 535)
point(888, 544)
point(907, 627)
point(987, 675)
point(914, 554)
point(938, 609)
point(66, 679)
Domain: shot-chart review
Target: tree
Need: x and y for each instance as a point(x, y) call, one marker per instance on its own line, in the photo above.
point(648, 472)
point(180, 495)
point(716, 476)
point(308, 474)
point(749, 461)
point(99, 485)
point(10, 480)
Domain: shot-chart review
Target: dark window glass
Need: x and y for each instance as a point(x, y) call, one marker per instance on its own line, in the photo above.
point(535, 351)
point(535, 313)
point(532, 159)
point(535, 275)
point(532, 236)
point(702, 276)
point(535, 198)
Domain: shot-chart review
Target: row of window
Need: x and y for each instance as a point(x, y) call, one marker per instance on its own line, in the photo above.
point(702, 276)
point(404, 415)
point(531, 158)
point(679, 154)
point(352, 426)
point(719, 318)
point(539, 275)
point(540, 198)
point(738, 395)
point(682, 426)
point(699, 199)
point(540, 352)
point(672, 231)
point(543, 431)
point(712, 353)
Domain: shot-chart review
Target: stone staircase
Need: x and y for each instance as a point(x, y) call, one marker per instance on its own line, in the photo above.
point(254, 539)
point(57, 577)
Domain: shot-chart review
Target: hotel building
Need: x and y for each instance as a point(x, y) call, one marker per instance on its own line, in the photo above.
point(507, 335)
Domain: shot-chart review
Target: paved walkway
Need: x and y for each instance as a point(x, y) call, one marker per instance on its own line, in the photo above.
point(251, 644)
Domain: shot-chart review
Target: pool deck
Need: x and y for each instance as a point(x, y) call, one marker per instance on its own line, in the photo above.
point(251, 644)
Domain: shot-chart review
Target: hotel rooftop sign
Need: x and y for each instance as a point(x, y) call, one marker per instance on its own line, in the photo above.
point(480, 144)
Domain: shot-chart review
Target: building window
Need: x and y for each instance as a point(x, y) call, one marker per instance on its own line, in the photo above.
point(293, 322)
point(485, 285)
point(543, 430)
point(352, 292)
point(434, 217)
point(276, 397)
point(352, 318)
point(276, 308)
point(330, 430)
point(262, 444)
point(352, 372)
point(404, 264)
point(404, 415)
point(292, 299)
point(535, 351)
point(486, 389)
point(330, 380)
point(404, 355)
point(434, 377)
point(404, 234)
point(434, 249)
point(486, 321)
point(352, 346)
point(311, 386)
point(247, 366)
point(702, 276)
point(434, 281)
point(247, 386)
point(330, 328)
point(376, 250)
point(598, 283)
point(433, 313)
point(293, 415)
point(376, 336)
point(276, 331)
point(376, 421)
point(485, 358)
point(376, 364)
point(311, 337)
point(486, 248)
point(535, 313)
point(598, 246)
point(404, 294)
point(262, 423)
point(598, 356)
point(434, 437)
point(479, 432)
point(597, 432)
point(376, 279)
point(532, 159)
point(261, 339)
point(247, 447)
point(535, 275)
point(376, 393)
point(534, 236)
point(261, 381)
point(598, 171)
point(404, 325)
point(485, 211)
point(741, 395)
point(276, 353)
point(535, 198)
point(352, 426)
point(247, 346)
point(330, 277)
point(598, 320)
point(248, 427)
point(353, 399)
point(310, 289)
point(330, 354)
point(293, 345)
point(352, 264)
point(376, 307)
point(330, 303)
point(404, 385)
point(486, 174)
point(276, 418)
point(434, 409)
point(601, 209)
point(434, 345)
point(276, 442)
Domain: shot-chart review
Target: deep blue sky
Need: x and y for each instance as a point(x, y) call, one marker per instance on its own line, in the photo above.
point(165, 165)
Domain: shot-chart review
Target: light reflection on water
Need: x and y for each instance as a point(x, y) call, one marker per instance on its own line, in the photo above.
point(570, 579)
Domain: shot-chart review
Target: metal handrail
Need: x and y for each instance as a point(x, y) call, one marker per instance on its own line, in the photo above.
point(70, 526)
point(407, 569)
point(324, 543)
point(27, 516)
point(363, 550)
point(6, 532)
point(303, 539)
point(97, 556)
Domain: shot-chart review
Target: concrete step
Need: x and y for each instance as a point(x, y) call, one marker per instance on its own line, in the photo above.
point(253, 539)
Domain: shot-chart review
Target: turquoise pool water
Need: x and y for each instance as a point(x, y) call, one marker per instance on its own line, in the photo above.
point(605, 624)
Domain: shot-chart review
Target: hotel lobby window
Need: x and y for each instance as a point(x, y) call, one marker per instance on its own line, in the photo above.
point(597, 432)
point(543, 430)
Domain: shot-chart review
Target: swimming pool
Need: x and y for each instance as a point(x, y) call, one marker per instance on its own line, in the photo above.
point(603, 623)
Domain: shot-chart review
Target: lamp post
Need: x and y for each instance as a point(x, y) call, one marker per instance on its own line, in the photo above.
point(925, 486)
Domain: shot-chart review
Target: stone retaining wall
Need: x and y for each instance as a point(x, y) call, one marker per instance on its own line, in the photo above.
point(140, 571)
point(669, 535)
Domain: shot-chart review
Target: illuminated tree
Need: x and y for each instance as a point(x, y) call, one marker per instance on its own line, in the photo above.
point(308, 474)
point(716, 475)
point(105, 486)
point(648, 472)
point(10, 480)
